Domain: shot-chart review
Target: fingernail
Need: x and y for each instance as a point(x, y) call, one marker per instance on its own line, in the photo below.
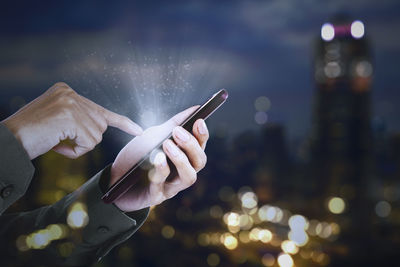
point(160, 159)
point(202, 127)
point(181, 134)
point(172, 149)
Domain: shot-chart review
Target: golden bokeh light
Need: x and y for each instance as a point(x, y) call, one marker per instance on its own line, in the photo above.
point(203, 239)
point(168, 232)
point(268, 260)
point(289, 247)
point(232, 219)
point(214, 238)
point(38, 240)
point(285, 260)
point(326, 230)
point(244, 236)
point(245, 222)
point(264, 235)
point(213, 259)
point(335, 228)
point(254, 234)
point(230, 242)
point(21, 243)
point(336, 205)
point(77, 216)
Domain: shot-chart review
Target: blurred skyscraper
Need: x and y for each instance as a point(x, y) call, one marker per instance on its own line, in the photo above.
point(341, 136)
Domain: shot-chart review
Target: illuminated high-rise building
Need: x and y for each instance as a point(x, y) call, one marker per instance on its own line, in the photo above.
point(341, 138)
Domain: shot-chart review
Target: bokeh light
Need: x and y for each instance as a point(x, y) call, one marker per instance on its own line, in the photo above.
point(246, 222)
point(364, 69)
point(300, 238)
point(383, 209)
point(332, 69)
point(249, 200)
point(268, 260)
point(77, 216)
point(244, 236)
point(203, 239)
point(230, 242)
point(21, 243)
point(289, 247)
point(285, 260)
point(336, 205)
point(357, 29)
point(39, 239)
point(254, 234)
point(298, 222)
point(325, 230)
point(261, 117)
point(232, 219)
point(168, 231)
point(264, 235)
point(327, 32)
point(213, 259)
point(262, 103)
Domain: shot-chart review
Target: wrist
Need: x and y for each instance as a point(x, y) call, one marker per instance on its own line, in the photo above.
point(16, 130)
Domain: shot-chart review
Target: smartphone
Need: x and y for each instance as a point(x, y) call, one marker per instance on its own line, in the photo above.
point(141, 168)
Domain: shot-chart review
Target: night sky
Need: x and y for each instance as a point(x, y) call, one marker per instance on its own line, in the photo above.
point(251, 48)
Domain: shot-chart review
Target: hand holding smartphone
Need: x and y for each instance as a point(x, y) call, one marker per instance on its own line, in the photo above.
point(140, 169)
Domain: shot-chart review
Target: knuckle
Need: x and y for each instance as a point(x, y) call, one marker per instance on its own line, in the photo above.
point(64, 89)
point(98, 138)
point(165, 171)
point(67, 102)
point(159, 198)
point(192, 177)
point(193, 180)
point(193, 141)
point(103, 127)
point(170, 194)
point(66, 113)
point(73, 156)
point(181, 161)
point(93, 143)
point(60, 84)
point(203, 161)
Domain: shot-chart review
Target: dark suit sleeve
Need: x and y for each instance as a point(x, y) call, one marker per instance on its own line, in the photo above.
point(16, 169)
point(107, 226)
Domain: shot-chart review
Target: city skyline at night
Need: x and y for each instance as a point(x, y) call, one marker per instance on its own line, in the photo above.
point(303, 160)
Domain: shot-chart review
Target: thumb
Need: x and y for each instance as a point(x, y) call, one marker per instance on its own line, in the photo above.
point(179, 118)
point(66, 150)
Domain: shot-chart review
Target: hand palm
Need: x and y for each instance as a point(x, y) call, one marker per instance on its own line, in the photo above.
point(146, 193)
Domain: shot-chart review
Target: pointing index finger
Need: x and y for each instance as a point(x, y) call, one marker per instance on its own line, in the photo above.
point(122, 122)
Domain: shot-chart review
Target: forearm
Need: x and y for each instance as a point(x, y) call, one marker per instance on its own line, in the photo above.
point(106, 228)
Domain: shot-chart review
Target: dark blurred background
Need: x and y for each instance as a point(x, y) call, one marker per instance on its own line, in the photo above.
point(303, 159)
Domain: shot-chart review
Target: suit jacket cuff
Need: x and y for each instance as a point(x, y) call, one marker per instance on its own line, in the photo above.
point(16, 169)
point(107, 225)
